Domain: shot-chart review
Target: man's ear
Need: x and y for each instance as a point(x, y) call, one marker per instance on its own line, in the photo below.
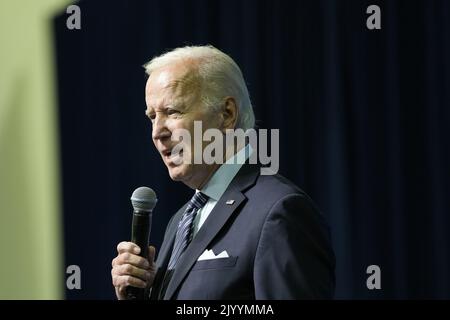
point(230, 113)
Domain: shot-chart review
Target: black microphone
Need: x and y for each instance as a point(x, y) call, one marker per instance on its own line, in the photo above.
point(143, 201)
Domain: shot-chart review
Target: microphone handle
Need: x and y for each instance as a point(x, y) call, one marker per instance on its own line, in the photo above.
point(140, 235)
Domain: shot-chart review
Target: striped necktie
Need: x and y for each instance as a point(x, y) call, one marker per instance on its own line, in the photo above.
point(184, 232)
point(183, 237)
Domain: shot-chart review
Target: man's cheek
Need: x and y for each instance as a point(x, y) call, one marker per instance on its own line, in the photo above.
point(187, 154)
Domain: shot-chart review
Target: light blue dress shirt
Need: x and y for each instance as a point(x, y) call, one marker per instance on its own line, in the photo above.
point(218, 183)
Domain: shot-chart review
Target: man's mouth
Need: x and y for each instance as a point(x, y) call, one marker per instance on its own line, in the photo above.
point(168, 153)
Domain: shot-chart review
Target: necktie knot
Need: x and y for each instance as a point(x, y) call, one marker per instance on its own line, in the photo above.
point(198, 200)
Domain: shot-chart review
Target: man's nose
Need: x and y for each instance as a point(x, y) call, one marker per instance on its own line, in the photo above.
point(159, 129)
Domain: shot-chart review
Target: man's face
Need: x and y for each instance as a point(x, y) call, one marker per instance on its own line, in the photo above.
point(172, 95)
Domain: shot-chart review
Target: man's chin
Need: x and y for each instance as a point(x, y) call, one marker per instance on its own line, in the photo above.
point(176, 174)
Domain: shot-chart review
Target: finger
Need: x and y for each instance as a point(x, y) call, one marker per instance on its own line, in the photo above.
point(121, 293)
point(129, 258)
point(126, 246)
point(130, 270)
point(125, 281)
point(151, 253)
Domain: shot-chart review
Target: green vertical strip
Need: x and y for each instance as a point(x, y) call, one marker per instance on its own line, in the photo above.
point(30, 207)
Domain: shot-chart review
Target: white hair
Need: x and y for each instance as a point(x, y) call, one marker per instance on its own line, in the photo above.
point(219, 75)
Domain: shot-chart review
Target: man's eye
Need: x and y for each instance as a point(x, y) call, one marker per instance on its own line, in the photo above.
point(151, 117)
point(173, 112)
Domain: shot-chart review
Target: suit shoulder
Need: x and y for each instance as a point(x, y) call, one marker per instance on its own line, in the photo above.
point(278, 185)
point(270, 189)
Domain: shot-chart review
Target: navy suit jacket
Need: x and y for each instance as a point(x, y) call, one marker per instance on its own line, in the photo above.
point(277, 241)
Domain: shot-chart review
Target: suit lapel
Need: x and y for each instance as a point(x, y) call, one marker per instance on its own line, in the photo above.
point(213, 224)
point(166, 248)
point(165, 252)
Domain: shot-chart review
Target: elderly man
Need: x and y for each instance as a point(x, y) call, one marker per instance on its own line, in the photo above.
point(243, 235)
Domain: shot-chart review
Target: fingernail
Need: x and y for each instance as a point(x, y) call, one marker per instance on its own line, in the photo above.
point(136, 250)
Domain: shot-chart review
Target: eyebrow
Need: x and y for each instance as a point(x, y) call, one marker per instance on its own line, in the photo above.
point(179, 105)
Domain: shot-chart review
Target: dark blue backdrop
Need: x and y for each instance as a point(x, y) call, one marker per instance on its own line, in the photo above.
point(363, 118)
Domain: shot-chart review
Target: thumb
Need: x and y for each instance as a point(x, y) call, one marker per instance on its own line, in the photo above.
point(151, 253)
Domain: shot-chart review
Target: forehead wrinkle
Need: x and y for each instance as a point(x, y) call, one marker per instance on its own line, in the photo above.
point(182, 84)
point(189, 82)
point(170, 100)
point(185, 91)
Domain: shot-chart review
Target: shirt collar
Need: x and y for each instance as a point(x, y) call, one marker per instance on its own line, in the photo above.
point(221, 179)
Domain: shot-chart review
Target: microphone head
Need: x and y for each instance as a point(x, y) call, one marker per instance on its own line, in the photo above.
point(143, 199)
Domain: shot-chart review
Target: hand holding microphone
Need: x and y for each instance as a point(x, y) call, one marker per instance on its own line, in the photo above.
point(134, 268)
